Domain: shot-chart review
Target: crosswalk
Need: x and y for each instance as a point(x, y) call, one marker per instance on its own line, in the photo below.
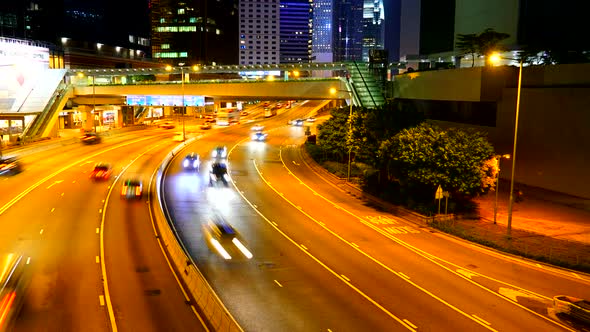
point(391, 225)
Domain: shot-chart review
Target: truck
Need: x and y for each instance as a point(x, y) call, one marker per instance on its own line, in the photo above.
point(228, 116)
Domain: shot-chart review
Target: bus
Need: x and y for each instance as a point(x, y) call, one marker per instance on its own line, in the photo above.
point(228, 116)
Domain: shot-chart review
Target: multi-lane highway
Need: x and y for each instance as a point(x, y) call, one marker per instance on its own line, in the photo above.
point(95, 262)
point(325, 261)
point(322, 260)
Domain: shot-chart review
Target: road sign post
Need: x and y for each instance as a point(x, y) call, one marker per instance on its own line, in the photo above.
point(438, 195)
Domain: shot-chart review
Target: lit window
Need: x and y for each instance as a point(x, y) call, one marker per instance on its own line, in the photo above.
point(165, 46)
point(181, 11)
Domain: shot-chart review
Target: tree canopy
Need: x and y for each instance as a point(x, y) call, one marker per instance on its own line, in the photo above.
point(427, 156)
point(485, 43)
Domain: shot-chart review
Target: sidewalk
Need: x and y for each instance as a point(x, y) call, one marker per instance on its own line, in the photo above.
point(542, 211)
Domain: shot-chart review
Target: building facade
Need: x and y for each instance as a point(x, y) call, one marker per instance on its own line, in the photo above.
point(322, 31)
point(296, 31)
point(194, 32)
point(259, 32)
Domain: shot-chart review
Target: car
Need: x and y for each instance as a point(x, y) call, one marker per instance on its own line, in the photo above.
point(257, 127)
point(90, 138)
point(211, 120)
point(132, 189)
point(222, 238)
point(219, 152)
point(218, 173)
point(10, 166)
point(205, 126)
point(311, 119)
point(15, 276)
point(296, 122)
point(192, 162)
point(101, 172)
point(167, 125)
point(259, 136)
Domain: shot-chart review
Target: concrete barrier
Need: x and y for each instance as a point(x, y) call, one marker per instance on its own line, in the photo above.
point(202, 295)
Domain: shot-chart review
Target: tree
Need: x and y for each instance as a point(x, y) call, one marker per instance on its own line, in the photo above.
point(489, 41)
point(333, 133)
point(423, 157)
point(467, 44)
point(484, 43)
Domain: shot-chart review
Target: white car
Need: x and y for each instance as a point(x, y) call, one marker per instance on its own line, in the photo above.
point(259, 136)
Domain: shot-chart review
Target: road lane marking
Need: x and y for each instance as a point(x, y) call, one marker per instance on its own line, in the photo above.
point(403, 275)
point(62, 194)
point(41, 231)
point(345, 277)
point(45, 179)
point(434, 259)
point(99, 210)
point(354, 244)
point(274, 223)
point(278, 283)
point(410, 323)
point(97, 259)
point(356, 289)
point(97, 230)
point(74, 181)
point(576, 275)
point(101, 300)
point(467, 274)
point(52, 209)
point(54, 183)
point(304, 247)
point(481, 320)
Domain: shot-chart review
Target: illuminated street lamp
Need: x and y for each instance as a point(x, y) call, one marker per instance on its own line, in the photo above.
point(181, 65)
point(498, 158)
point(333, 91)
point(495, 58)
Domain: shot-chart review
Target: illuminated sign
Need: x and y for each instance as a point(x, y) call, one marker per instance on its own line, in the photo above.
point(142, 100)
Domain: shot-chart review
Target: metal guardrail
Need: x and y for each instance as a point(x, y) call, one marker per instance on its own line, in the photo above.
point(197, 286)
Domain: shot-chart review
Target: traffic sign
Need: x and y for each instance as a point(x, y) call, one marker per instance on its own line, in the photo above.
point(439, 193)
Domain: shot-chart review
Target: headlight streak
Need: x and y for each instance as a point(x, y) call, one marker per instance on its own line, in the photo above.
point(220, 249)
point(242, 248)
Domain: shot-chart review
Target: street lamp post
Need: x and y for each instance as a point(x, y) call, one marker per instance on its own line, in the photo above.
point(333, 91)
point(495, 58)
point(182, 109)
point(498, 158)
point(94, 103)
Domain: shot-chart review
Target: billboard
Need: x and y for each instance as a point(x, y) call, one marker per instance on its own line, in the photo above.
point(21, 65)
point(146, 100)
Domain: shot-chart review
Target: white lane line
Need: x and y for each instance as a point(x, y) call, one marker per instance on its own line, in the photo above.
point(322, 224)
point(304, 247)
point(97, 230)
point(576, 275)
point(52, 209)
point(99, 210)
point(480, 319)
point(345, 277)
point(41, 231)
point(274, 223)
point(354, 244)
point(62, 194)
point(403, 275)
point(74, 181)
point(410, 323)
point(97, 259)
point(278, 283)
point(101, 300)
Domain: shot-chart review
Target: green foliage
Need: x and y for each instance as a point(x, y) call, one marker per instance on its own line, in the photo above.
point(333, 133)
point(467, 44)
point(427, 156)
point(372, 126)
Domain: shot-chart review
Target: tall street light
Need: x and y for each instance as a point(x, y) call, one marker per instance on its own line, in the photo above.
point(333, 91)
point(169, 68)
point(495, 58)
point(498, 158)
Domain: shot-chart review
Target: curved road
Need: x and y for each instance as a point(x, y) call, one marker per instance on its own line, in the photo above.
point(54, 213)
point(325, 261)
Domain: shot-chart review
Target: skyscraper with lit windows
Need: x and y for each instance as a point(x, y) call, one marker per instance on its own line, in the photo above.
point(191, 31)
point(295, 31)
point(259, 32)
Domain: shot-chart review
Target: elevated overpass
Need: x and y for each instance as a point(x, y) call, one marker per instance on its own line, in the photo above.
point(89, 94)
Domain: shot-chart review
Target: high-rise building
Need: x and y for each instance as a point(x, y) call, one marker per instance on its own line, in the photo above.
point(347, 29)
point(295, 31)
point(191, 31)
point(259, 32)
point(373, 27)
point(106, 33)
point(322, 31)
